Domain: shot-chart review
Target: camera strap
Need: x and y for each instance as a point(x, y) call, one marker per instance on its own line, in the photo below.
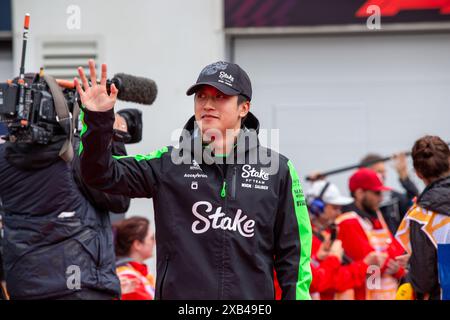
point(75, 115)
point(63, 117)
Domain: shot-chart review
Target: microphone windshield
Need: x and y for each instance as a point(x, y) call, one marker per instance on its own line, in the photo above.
point(135, 89)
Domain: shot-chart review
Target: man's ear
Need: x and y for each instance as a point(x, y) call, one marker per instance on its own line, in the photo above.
point(244, 108)
point(136, 245)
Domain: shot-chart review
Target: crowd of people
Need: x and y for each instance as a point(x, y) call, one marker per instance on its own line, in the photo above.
point(225, 227)
point(357, 254)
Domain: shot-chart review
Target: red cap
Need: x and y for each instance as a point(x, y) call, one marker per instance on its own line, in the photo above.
point(366, 179)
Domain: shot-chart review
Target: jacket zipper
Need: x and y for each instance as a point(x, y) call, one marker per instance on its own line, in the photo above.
point(223, 196)
point(233, 184)
point(223, 191)
point(163, 278)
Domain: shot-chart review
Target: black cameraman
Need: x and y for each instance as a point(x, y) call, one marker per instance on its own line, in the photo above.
point(58, 240)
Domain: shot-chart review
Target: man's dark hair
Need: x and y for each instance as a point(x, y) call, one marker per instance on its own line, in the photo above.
point(431, 157)
point(241, 99)
point(370, 160)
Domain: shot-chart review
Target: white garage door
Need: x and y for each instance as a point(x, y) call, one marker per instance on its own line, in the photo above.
point(336, 98)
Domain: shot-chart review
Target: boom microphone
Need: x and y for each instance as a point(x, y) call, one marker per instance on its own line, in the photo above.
point(134, 89)
point(322, 175)
point(131, 88)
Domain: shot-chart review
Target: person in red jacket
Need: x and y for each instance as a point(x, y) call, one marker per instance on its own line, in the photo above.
point(362, 230)
point(134, 242)
point(334, 274)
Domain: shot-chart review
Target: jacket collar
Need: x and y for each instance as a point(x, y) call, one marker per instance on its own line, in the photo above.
point(436, 197)
point(247, 137)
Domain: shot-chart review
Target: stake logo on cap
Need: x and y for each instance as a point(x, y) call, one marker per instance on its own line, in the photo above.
point(214, 68)
point(227, 77)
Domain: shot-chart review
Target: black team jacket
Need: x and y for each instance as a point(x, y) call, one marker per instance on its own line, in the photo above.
point(221, 230)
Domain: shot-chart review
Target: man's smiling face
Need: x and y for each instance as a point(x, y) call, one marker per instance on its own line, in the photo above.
point(216, 111)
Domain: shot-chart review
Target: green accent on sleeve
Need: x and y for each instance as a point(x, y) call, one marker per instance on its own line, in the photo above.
point(83, 131)
point(305, 234)
point(139, 157)
point(223, 192)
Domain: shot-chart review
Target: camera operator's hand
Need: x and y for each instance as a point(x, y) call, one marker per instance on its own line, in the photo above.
point(95, 97)
point(120, 123)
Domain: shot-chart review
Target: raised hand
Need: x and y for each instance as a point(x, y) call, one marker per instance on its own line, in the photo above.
point(95, 97)
point(401, 165)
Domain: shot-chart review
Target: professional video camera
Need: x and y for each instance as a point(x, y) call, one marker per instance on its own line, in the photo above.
point(35, 106)
point(27, 107)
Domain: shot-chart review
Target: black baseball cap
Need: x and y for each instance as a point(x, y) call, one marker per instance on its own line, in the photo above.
point(227, 77)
